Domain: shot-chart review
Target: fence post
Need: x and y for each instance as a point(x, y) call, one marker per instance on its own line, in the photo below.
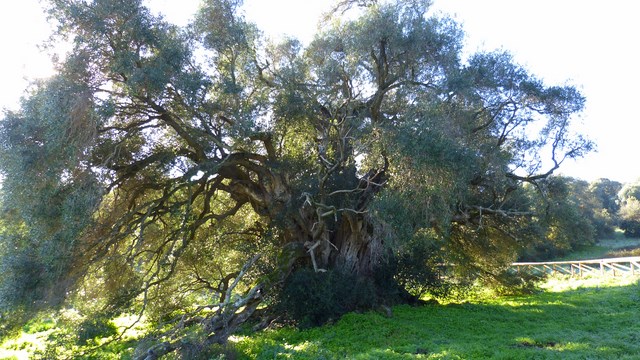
point(601, 268)
point(571, 266)
point(580, 269)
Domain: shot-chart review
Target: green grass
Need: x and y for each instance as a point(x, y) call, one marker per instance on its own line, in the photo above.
point(572, 319)
point(53, 339)
point(618, 246)
point(592, 318)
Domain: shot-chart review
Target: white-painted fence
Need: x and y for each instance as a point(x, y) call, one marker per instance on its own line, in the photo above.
point(612, 266)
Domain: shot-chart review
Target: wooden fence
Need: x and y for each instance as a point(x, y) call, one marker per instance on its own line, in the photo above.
point(613, 266)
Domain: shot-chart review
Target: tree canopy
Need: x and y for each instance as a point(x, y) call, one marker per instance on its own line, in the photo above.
point(629, 208)
point(192, 171)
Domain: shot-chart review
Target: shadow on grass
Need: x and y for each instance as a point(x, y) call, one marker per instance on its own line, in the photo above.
point(586, 323)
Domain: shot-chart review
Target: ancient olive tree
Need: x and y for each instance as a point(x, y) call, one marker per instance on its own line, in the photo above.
point(192, 170)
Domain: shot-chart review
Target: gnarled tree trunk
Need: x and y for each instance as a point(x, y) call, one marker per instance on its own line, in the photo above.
point(360, 244)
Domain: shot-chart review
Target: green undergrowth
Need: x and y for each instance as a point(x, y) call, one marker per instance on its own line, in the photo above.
point(592, 318)
point(66, 336)
point(571, 319)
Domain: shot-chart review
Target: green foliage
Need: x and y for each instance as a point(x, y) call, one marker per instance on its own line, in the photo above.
point(607, 192)
point(421, 269)
point(630, 190)
point(312, 299)
point(573, 217)
point(38, 325)
point(630, 218)
point(569, 225)
point(49, 195)
point(66, 334)
point(92, 328)
point(629, 197)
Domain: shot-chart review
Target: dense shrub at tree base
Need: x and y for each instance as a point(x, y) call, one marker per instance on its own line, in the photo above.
point(313, 298)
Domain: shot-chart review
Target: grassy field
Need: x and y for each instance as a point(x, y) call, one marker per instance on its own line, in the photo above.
point(592, 318)
point(618, 246)
point(572, 319)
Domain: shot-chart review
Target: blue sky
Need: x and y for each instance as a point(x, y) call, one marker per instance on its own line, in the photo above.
point(590, 44)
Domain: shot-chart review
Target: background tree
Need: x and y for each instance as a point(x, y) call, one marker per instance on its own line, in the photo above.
point(606, 219)
point(574, 213)
point(629, 198)
point(607, 191)
point(207, 164)
point(568, 219)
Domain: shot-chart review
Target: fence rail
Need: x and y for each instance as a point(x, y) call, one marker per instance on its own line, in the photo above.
point(612, 266)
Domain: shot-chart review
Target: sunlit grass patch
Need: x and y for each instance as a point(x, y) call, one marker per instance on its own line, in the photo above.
point(571, 319)
point(23, 346)
point(563, 283)
point(58, 337)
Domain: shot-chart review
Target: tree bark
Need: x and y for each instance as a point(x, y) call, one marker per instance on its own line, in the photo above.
point(360, 245)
